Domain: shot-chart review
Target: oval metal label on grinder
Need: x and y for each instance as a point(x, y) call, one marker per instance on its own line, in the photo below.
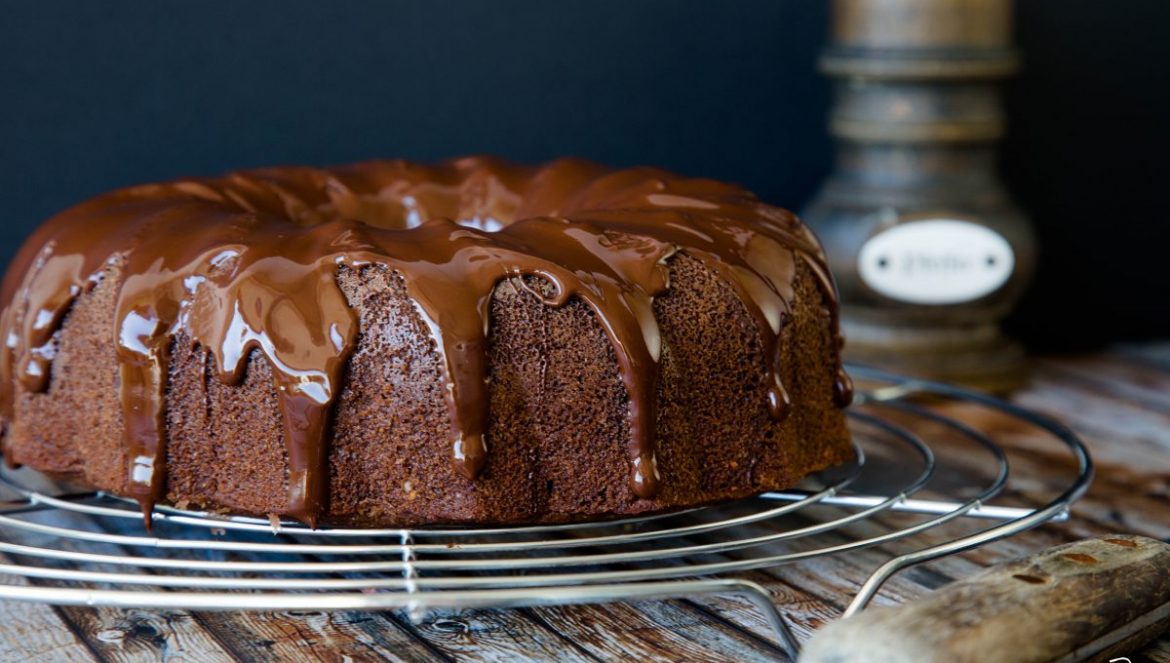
point(936, 261)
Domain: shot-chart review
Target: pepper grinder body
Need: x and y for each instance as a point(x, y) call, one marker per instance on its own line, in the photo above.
point(929, 251)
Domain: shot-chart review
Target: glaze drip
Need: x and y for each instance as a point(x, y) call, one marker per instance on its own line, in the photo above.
point(249, 262)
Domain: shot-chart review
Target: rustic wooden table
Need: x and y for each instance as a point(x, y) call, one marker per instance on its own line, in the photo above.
point(1119, 401)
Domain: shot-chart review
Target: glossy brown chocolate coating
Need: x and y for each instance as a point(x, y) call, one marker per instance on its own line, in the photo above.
point(250, 261)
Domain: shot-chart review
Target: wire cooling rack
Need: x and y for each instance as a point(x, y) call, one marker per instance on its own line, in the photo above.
point(921, 469)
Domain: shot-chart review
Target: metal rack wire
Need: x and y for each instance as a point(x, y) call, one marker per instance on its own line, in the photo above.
point(90, 548)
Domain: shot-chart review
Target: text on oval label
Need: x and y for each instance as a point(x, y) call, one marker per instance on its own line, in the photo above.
point(936, 262)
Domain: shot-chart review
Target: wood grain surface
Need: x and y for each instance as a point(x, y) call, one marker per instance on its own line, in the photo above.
point(1119, 401)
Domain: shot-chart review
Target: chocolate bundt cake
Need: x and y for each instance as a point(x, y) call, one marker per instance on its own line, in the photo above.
point(392, 344)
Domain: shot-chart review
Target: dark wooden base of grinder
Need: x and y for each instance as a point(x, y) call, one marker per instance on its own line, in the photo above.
point(979, 356)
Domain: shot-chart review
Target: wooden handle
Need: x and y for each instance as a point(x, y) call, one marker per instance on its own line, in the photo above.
point(1088, 600)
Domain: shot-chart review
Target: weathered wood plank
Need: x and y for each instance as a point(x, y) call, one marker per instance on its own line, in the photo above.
point(1153, 354)
point(733, 615)
point(448, 635)
point(1127, 426)
point(656, 631)
point(803, 611)
point(495, 635)
point(1138, 382)
point(124, 635)
point(808, 594)
point(501, 635)
point(451, 631)
point(120, 635)
point(146, 635)
point(35, 632)
point(476, 634)
point(309, 635)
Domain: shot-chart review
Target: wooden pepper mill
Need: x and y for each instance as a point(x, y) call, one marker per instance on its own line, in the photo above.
point(929, 251)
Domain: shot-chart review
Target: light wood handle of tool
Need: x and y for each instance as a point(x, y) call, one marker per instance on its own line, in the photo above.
point(1087, 600)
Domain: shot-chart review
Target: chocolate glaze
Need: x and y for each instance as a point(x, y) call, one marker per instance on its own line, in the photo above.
point(249, 262)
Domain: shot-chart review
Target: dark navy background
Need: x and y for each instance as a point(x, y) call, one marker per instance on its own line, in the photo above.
point(98, 95)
